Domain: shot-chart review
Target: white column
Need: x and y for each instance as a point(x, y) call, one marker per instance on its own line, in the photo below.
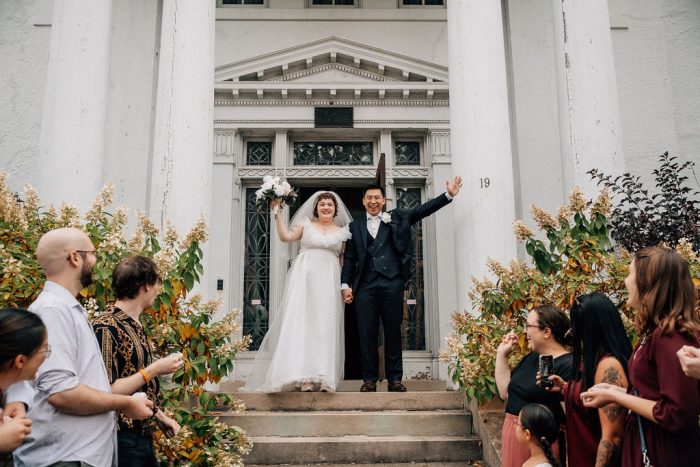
point(129, 116)
point(443, 264)
point(279, 251)
point(479, 140)
point(589, 115)
point(73, 121)
point(182, 148)
point(222, 218)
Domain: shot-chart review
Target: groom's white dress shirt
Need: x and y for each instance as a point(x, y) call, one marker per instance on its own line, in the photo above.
point(373, 225)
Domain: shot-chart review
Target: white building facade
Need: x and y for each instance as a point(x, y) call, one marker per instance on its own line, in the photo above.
point(185, 105)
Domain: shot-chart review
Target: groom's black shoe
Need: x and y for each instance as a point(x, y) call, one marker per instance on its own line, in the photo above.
point(369, 386)
point(396, 386)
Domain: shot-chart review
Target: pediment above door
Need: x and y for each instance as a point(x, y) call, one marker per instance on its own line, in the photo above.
point(329, 68)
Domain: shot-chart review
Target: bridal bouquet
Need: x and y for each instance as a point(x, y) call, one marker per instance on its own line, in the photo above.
point(273, 188)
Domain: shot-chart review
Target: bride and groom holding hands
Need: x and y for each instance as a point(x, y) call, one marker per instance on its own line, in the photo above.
point(341, 260)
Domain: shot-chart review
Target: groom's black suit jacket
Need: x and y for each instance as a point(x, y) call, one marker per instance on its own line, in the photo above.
point(391, 251)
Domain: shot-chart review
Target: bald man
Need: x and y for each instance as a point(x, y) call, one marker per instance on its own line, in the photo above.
point(72, 404)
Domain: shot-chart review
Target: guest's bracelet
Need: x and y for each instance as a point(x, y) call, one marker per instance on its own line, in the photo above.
point(145, 375)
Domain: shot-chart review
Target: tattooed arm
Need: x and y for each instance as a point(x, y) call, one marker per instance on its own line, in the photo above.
point(612, 416)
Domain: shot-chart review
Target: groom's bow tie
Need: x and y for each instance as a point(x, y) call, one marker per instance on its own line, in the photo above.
point(370, 217)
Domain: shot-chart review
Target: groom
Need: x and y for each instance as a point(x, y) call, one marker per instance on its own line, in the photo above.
point(376, 267)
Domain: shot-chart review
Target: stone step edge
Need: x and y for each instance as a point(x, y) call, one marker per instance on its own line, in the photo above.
point(298, 401)
point(357, 439)
point(340, 413)
point(405, 464)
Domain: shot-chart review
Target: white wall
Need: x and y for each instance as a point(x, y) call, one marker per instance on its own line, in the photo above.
point(658, 76)
point(24, 55)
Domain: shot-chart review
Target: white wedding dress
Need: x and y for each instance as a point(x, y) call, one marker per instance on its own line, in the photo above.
point(305, 341)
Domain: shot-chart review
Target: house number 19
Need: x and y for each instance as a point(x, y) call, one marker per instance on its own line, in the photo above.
point(485, 182)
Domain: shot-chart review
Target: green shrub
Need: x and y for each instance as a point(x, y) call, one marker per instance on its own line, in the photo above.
point(180, 321)
point(571, 255)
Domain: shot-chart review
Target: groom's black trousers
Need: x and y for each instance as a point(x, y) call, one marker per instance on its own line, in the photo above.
point(379, 297)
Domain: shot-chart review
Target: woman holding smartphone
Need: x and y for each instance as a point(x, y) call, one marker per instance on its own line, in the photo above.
point(548, 333)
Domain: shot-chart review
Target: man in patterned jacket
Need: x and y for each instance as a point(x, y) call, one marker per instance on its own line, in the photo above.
point(128, 357)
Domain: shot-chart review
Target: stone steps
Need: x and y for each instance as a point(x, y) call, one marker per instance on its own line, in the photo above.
point(419, 427)
point(347, 423)
point(362, 449)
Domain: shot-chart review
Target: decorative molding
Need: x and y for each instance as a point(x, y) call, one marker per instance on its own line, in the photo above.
point(439, 141)
point(343, 103)
point(255, 172)
point(331, 66)
point(225, 143)
point(267, 121)
point(335, 171)
point(410, 172)
point(399, 122)
point(311, 122)
point(331, 172)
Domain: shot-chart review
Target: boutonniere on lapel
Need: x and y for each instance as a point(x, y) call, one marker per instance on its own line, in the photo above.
point(386, 217)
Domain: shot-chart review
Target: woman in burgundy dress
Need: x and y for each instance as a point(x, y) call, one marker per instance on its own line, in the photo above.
point(601, 352)
point(667, 402)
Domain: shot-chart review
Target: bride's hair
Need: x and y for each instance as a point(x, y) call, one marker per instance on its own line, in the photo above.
point(329, 196)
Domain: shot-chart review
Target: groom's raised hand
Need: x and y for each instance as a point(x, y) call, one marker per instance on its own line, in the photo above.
point(453, 186)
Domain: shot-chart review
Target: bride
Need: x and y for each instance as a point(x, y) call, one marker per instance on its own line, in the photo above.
point(303, 348)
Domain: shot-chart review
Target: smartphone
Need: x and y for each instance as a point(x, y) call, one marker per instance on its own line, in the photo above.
point(546, 370)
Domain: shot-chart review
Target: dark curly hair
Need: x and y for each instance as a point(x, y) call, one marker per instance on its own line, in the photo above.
point(131, 274)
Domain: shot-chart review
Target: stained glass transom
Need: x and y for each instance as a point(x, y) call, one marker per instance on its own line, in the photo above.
point(424, 2)
point(333, 153)
point(333, 2)
point(243, 2)
point(256, 272)
point(407, 152)
point(259, 153)
point(413, 326)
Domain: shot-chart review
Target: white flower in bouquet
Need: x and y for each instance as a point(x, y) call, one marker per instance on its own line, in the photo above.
point(273, 188)
point(286, 187)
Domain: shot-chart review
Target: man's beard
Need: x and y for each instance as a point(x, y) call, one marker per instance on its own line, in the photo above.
point(86, 278)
